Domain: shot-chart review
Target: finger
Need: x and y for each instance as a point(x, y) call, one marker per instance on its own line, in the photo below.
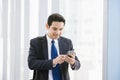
point(63, 57)
point(67, 59)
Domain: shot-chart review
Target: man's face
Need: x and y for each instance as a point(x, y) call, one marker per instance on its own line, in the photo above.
point(55, 29)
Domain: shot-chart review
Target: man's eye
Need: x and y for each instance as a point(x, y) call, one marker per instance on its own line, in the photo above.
point(61, 29)
point(55, 29)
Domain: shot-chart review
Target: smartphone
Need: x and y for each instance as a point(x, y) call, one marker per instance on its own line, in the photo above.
point(70, 52)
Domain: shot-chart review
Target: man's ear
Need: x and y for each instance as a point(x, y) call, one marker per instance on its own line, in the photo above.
point(47, 26)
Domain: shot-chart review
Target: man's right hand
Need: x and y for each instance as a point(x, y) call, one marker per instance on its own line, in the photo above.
point(59, 59)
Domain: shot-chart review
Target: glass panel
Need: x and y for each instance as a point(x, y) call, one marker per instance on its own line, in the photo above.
point(84, 25)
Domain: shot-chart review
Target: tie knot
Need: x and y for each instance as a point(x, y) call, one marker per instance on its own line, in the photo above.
point(52, 41)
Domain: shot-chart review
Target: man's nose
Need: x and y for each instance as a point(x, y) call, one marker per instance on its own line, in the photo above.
point(57, 32)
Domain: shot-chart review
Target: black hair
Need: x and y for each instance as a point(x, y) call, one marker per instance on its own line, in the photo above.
point(55, 17)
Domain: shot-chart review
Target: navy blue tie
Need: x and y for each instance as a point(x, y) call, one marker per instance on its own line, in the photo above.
point(56, 69)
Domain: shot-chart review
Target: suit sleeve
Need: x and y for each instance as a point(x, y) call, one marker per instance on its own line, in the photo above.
point(77, 64)
point(35, 62)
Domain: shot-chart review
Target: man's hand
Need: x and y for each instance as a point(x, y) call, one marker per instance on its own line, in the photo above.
point(59, 60)
point(70, 58)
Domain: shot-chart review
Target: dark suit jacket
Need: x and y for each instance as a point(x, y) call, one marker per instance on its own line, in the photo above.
point(39, 62)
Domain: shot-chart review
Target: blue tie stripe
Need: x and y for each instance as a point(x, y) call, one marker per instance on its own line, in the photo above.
point(53, 50)
point(56, 69)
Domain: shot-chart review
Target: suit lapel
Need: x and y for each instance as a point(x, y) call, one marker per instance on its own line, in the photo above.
point(60, 45)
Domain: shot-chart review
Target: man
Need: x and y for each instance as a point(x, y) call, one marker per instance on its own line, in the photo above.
point(48, 54)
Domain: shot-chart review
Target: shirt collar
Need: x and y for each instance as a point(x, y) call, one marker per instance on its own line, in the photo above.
point(49, 39)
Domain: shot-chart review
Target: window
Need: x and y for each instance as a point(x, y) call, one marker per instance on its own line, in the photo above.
point(84, 26)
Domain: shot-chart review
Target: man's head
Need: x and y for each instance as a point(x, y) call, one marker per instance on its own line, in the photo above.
point(55, 25)
point(55, 17)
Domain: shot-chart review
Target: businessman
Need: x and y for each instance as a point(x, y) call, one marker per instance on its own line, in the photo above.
point(48, 54)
